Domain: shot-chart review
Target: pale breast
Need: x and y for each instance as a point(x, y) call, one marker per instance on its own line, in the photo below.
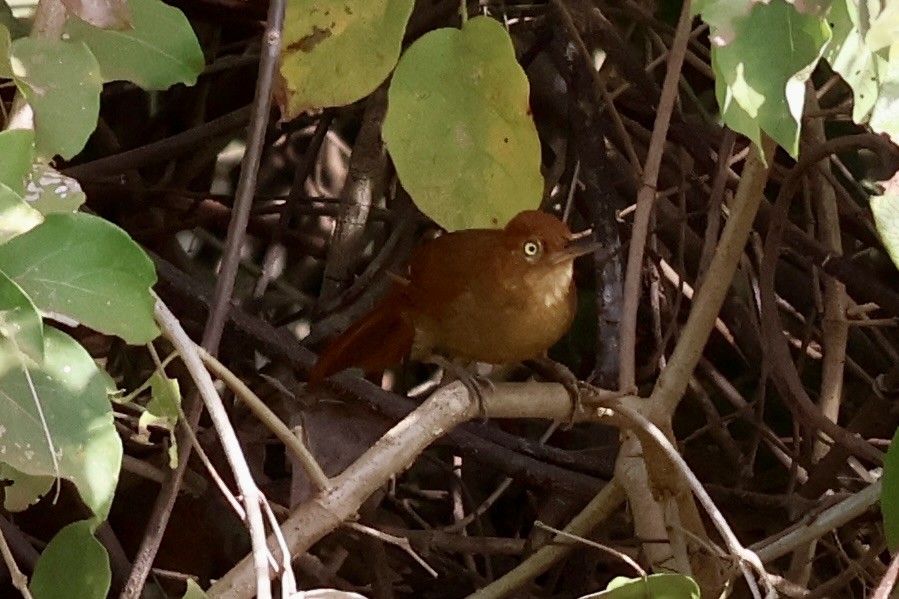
point(519, 323)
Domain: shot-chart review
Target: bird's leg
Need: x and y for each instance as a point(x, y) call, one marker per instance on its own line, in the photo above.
point(476, 385)
point(559, 373)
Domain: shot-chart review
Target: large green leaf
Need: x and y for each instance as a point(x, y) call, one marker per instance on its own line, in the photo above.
point(865, 52)
point(335, 52)
point(159, 51)
point(889, 497)
point(73, 564)
point(760, 75)
point(87, 269)
point(56, 420)
point(459, 128)
point(61, 81)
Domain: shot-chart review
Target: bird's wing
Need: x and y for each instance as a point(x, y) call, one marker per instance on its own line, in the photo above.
point(379, 340)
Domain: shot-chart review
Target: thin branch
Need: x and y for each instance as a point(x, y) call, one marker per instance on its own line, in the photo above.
point(251, 495)
point(400, 542)
point(246, 186)
point(19, 580)
point(645, 200)
point(293, 443)
point(707, 302)
point(396, 450)
point(825, 523)
point(644, 426)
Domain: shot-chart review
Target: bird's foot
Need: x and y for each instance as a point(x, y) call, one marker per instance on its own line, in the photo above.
point(559, 373)
point(476, 385)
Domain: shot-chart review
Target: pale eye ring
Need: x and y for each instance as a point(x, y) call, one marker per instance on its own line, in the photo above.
point(531, 248)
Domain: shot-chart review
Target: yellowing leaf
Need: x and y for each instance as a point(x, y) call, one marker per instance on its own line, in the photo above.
point(459, 128)
point(335, 52)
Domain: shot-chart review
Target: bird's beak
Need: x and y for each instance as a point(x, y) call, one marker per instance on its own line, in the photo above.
point(579, 244)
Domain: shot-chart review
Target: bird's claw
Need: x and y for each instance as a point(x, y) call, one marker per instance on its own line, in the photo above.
point(559, 373)
point(478, 386)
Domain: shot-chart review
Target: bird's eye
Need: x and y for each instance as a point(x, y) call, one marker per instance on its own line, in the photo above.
point(531, 248)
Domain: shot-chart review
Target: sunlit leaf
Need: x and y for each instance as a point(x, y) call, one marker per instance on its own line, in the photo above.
point(19, 320)
point(865, 52)
point(50, 191)
point(655, 586)
point(16, 215)
point(61, 81)
point(760, 75)
point(87, 269)
point(55, 419)
point(163, 410)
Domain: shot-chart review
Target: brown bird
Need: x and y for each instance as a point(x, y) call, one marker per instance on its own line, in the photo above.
point(479, 295)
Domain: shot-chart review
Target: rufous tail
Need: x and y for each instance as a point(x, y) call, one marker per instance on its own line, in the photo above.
point(378, 341)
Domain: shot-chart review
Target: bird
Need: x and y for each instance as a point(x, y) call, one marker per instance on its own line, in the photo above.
point(496, 296)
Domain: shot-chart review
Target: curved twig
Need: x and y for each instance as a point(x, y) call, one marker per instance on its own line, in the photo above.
point(784, 374)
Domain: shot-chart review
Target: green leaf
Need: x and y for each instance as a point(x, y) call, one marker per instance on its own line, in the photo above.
point(886, 217)
point(459, 128)
point(62, 403)
point(49, 191)
point(889, 496)
point(163, 410)
point(17, 149)
point(74, 564)
point(19, 320)
point(335, 52)
point(61, 81)
point(159, 51)
point(865, 52)
point(760, 75)
point(16, 216)
point(656, 586)
point(194, 591)
point(87, 269)
point(22, 490)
